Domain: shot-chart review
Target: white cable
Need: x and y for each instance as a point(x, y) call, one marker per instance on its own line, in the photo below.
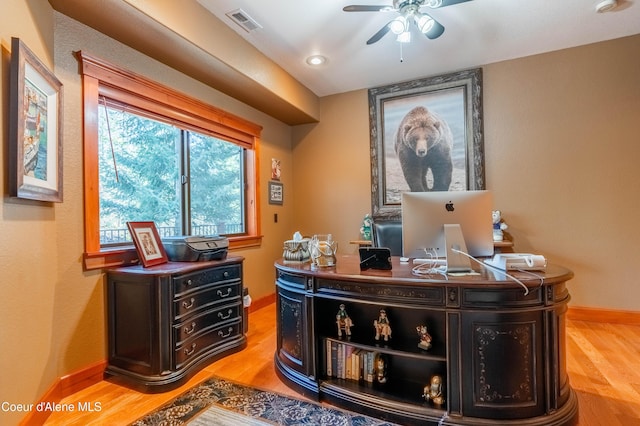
point(429, 269)
point(526, 289)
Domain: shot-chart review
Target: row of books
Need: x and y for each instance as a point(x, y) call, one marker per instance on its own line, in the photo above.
point(344, 361)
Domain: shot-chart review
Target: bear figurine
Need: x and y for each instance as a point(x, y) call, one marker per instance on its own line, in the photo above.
point(423, 142)
point(498, 225)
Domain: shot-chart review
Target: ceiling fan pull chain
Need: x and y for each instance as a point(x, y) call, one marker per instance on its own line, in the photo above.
point(401, 56)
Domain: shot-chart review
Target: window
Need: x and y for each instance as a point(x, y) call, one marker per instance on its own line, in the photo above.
point(151, 153)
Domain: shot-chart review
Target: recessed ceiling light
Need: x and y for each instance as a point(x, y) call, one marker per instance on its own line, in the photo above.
point(316, 60)
point(606, 5)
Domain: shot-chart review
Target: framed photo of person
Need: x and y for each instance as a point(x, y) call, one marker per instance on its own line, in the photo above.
point(147, 241)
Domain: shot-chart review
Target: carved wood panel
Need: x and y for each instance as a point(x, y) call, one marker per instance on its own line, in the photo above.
point(502, 366)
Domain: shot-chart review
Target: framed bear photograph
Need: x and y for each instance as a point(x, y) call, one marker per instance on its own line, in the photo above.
point(426, 135)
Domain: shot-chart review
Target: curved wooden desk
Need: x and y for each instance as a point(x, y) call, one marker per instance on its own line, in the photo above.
point(500, 353)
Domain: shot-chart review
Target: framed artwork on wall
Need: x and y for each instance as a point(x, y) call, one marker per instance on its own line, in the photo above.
point(426, 135)
point(35, 128)
point(148, 244)
point(276, 193)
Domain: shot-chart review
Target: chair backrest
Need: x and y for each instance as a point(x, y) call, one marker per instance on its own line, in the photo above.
point(388, 233)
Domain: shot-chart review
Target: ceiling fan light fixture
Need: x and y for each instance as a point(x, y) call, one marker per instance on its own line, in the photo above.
point(398, 25)
point(424, 22)
point(404, 37)
point(434, 3)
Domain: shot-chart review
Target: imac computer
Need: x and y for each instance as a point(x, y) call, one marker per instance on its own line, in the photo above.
point(441, 224)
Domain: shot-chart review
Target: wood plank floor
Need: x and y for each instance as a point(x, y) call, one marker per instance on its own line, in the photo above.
point(603, 362)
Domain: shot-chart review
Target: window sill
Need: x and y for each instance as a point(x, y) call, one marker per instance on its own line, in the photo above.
point(128, 256)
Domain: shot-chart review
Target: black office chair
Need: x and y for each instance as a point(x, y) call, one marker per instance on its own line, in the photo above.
point(388, 233)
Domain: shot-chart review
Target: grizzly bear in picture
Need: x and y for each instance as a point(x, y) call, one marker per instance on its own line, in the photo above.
point(424, 142)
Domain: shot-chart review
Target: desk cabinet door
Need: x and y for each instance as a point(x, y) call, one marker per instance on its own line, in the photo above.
point(292, 331)
point(502, 373)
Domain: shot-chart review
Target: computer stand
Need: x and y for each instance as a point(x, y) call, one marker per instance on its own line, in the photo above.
point(453, 239)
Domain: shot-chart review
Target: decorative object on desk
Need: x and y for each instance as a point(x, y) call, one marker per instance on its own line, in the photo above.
point(382, 326)
point(380, 368)
point(323, 248)
point(433, 391)
point(425, 337)
point(276, 193)
point(498, 225)
point(296, 250)
point(457, 99)
point(147, 241)
point(343, 321)
point(35, 128)
point(365, 229)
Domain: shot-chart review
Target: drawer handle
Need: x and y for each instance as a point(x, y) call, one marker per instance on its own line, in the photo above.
point(221, 333)
point(189, 282)
point(223, 316)
point(188, 305)
point(225, 274)
point(189, 330)
point(188, 351)
point(224, 294)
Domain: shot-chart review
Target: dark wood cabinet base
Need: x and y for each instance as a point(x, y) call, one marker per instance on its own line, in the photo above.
point(168, 321)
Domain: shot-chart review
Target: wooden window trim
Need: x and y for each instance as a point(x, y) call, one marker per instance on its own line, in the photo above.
point(100, 78)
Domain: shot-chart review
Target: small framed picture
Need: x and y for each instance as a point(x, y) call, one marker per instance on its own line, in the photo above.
point(276, 195)
point(147, 241)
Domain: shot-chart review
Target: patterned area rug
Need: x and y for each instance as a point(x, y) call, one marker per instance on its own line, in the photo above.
point(223, 403)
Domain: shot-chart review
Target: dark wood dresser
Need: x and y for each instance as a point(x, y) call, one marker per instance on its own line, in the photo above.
point(167, 321)
point(498, 353)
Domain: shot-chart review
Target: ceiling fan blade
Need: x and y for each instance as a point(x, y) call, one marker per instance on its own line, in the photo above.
point(381, 33)
point(365, 8)
point(436, 31)
point(451, 2)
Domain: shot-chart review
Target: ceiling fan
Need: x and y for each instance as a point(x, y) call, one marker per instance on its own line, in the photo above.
point(409, 11)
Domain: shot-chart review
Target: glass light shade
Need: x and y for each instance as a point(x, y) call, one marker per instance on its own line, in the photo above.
point(424, 23)
point(404, 37)
point(398, 25)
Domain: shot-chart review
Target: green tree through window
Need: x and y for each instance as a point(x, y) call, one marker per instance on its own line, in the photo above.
point(188, 183)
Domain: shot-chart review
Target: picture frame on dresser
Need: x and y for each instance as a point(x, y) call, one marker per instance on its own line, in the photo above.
point(455, 100)
point(148, 244)
point(35, 128)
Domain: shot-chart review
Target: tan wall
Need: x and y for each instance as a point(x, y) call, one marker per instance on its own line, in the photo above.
point(561, 153)
point(52, 312)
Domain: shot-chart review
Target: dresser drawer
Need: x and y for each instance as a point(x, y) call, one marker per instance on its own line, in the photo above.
point(195, 281)
point(216, 337)
point(198, 302)
point(195, 326)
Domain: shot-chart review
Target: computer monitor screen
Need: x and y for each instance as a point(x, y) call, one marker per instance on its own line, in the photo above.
point(424, 215)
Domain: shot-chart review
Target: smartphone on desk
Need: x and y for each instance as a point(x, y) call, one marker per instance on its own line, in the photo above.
point(375, 258)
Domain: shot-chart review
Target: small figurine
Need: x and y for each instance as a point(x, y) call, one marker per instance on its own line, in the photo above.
point(365, 229)
point(498, 225)
point(382, 326)
point(381, 369)
point(343, 321)
point(433, 392)
point(425, 337)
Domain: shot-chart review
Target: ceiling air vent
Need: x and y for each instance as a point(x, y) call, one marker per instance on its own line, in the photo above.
point(241, 18)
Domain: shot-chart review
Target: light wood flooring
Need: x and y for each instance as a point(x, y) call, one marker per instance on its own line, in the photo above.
point(603, 361)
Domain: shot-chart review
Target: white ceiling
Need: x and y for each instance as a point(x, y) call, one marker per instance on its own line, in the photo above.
point(477, 32)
